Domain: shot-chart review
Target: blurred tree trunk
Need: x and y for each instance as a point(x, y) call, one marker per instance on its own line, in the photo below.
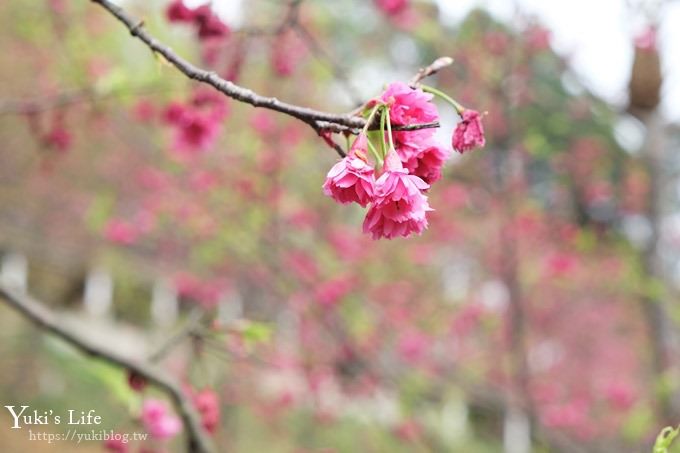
point(661, 332)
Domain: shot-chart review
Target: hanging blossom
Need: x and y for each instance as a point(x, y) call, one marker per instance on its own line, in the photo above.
point(469, 133)
point(399, 207)
point(352, 179)
point(208, 25)
point(418, 150)
point(393, 183)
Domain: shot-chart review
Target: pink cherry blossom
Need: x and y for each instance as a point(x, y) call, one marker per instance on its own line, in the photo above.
point(210, 101)
point(120, 232)
point(209, 25)
point(351, 179)
point(647, 40)
point(208, 405)
point(538, 38)
point(302, 265)
point(620, 395)
point(412, 346)
point(409, 430)
point(392, 7)
point(177, 11)
point(263, 122)
point(57, 6)
point(568, 415)
point(144, 111)
point(348, 245)
point(115, 444)
point(206, 292)
point(409, 144)
point(399, 208)
point(59, 138)
point(158, 421)
point(496, 42)
point(196, 123)
point(331, 292)
point(173, 112)
point(428, 163)
point(196, 132)
point(409, 105)
point(469, 132)
point(287, 51)
point(560, 264)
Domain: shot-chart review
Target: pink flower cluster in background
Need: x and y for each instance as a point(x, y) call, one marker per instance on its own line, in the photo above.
point(400, 12)
point(159, 421)
point(208, 406)
point(287, 52)
point(196, 124)
point(396, 192)
point(208, 25)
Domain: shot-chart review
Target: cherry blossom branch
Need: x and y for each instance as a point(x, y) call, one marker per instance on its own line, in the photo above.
point(317, 119)
point(47, 320)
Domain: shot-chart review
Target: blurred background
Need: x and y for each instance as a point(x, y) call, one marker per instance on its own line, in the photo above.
point(537, 313)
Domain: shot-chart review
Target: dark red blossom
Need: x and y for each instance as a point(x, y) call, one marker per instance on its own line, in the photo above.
point(177, 11)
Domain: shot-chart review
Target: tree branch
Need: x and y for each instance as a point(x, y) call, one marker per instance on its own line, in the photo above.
point(187, 330)
point(43, 317)
point(315, 118)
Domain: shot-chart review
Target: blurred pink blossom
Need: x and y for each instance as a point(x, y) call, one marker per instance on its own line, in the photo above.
point(158, 421)
point(469, 132)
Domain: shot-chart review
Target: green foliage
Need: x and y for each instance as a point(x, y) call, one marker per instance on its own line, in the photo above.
point(255, 333)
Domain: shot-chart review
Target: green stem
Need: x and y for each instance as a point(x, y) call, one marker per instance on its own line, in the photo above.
point(383, 145)
point(370, 118)
point(374, 152)
point(389, 128)
point(456, 105)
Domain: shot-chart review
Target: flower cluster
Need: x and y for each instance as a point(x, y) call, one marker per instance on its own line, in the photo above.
point(208, 25)
point(400, 12)
point(208, 406)
point(405, 165)
point(392, 7)
point(287, 52)
point(196, 123)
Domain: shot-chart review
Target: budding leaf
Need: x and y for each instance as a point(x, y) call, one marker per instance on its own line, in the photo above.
point(255, 333)
point(665, 439)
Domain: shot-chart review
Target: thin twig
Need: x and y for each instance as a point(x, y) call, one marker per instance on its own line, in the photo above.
point(188, 328)
point(436, 66)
